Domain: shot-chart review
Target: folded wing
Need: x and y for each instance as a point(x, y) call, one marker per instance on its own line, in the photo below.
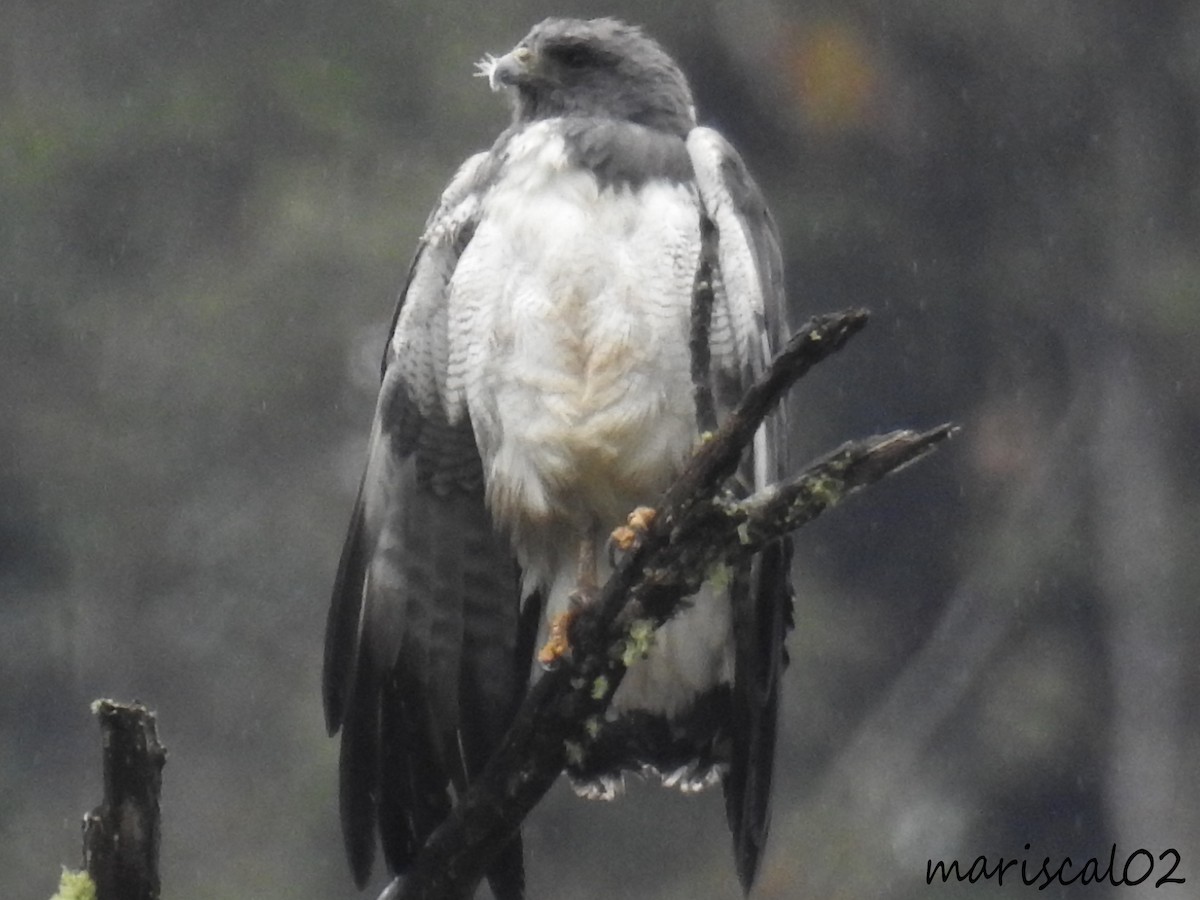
point(748, 327)
point(420, 671)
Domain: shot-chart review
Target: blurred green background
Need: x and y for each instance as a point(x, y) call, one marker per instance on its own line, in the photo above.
point(205, 212)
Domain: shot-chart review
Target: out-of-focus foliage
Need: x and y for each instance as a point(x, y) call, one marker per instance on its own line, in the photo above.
point(207, 209)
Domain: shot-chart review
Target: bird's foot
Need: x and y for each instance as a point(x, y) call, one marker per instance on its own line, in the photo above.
point(625, 537)
point(558, 642)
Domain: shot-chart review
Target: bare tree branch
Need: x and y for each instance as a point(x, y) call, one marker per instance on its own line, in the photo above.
point(121, 835)
point(695, 529)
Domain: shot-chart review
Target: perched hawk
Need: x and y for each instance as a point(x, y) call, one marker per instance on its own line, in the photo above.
point(545, 375)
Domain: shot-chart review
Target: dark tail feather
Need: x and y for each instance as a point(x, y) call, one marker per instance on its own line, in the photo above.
point(341, 629)
point(762, 612)
point(413, 798)
point(358, 768)
point(507, 874)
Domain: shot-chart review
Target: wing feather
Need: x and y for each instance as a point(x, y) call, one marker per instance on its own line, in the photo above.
point(420, 675)
point(748, 326)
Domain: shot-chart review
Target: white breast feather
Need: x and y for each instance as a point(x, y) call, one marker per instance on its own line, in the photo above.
point(568, 323)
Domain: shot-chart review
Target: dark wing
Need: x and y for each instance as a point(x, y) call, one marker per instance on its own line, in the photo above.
point(748, 325)
point(420, 674)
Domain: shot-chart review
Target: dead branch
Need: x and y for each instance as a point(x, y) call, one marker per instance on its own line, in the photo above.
point(121, 835)
point(696, 529)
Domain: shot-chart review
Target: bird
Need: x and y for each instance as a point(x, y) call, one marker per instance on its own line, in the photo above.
point(588, 300)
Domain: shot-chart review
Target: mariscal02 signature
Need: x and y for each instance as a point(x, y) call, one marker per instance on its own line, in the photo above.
point(1138, 866)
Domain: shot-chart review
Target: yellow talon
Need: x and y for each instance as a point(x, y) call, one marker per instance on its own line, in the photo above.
point(624, 536)
point(557, 644)
point(642, 517)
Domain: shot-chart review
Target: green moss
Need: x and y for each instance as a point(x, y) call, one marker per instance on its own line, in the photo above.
point(600, 688)
point(639, 642)
point(826, 491)
point(75, 886)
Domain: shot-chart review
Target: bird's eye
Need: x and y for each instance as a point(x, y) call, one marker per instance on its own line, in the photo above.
point(573, 56)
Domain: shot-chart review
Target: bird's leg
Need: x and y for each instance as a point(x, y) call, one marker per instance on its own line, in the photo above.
point(586, 581)
point(587, 588)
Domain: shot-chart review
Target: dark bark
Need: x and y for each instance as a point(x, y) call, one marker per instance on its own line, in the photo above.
point(121, 835)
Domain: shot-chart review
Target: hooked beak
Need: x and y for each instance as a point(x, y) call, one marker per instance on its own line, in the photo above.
point(506, 70)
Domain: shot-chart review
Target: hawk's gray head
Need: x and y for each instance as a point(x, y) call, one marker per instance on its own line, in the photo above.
point(598, 68)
